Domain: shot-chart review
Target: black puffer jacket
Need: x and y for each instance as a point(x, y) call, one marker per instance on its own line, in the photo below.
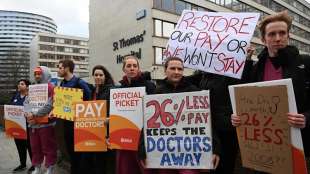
point(164, 87)
point(140, 81)
point(103, 92)
point(294, 67)
point(221, 109)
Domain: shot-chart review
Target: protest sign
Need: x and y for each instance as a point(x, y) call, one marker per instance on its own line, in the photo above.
point(267, 143)
point(177, 130)
point(89, 126)
point(214, 42)
point(126, 117)
point(64, 99)
point(38, 97)
point(15, 122)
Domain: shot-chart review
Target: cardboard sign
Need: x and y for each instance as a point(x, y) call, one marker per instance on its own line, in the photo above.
point(267, 143)
point(214, 42)
point(64, 99)
point(15, 122)
point(38, 97)
point(177, 130)
point(89, 126)
point(126, 117)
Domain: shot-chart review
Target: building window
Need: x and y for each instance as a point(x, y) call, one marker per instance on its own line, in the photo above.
point(83, 43)
point(158, 27)
point(163, 28)
point(47, 47)
point(83, 51)
point(157, 3)
point(76, 50)
point(175, 6)
point(58, 40)
point(168, 5)
point(68, 50)
point(180, 6)
point(60, 49)
point(158, 55)
point(168, 28)
point(67, 41)
point(76, 42)
point(47, 39)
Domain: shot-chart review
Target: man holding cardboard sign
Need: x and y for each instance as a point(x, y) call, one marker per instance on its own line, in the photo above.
point(279, 61)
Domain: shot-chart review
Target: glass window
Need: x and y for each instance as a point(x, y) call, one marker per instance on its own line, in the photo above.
point(61, 49)
point(168, 28)
point(69, 50)
point(67, 41)
point(158, 28)
point(60, 40)
point(158, 55)
point(179, 6)
point(188, 6)
point(157, 4)
point(84, 43)
point(168, 5)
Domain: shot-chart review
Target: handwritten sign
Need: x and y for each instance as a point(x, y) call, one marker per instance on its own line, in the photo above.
point(177, 130)
point(126, 117)
point(214, 42)
point(15, 122)
point(38, 96)
point(267, 143)
point(64, 99)
point(89, 126)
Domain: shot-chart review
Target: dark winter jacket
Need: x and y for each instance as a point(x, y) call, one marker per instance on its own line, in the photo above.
point(18, 100)
point(294, 67)
point(221, 109)
point(140, 81)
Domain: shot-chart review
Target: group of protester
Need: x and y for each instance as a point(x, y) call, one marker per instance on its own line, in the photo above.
point(278, 60)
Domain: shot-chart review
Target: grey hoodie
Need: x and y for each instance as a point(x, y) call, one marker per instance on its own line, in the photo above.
point(47, 108)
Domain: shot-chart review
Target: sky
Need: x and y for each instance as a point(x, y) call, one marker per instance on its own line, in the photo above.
point(70, 16)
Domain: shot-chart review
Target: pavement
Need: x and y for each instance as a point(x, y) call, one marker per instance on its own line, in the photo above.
point(9, 157)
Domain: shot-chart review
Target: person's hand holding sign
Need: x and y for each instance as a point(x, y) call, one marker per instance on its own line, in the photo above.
point(215, 160)
point(235, 120)
point(294, 120)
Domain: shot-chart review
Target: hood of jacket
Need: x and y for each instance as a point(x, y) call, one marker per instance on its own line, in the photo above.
point(46, 75)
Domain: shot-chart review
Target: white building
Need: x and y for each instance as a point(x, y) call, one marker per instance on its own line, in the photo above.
point(142, 27)
point(16, 31)
point(47, 49)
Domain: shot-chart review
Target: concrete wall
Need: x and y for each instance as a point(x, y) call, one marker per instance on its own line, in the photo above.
point(118, 21)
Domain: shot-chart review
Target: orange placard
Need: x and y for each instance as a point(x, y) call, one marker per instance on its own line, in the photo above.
point(89, 126)
point(126, 115)
point(15, 122)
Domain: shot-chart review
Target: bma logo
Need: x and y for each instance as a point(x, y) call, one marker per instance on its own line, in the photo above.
point(128, 42)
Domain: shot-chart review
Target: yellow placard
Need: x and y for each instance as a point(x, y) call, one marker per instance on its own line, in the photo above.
point(64, 99)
